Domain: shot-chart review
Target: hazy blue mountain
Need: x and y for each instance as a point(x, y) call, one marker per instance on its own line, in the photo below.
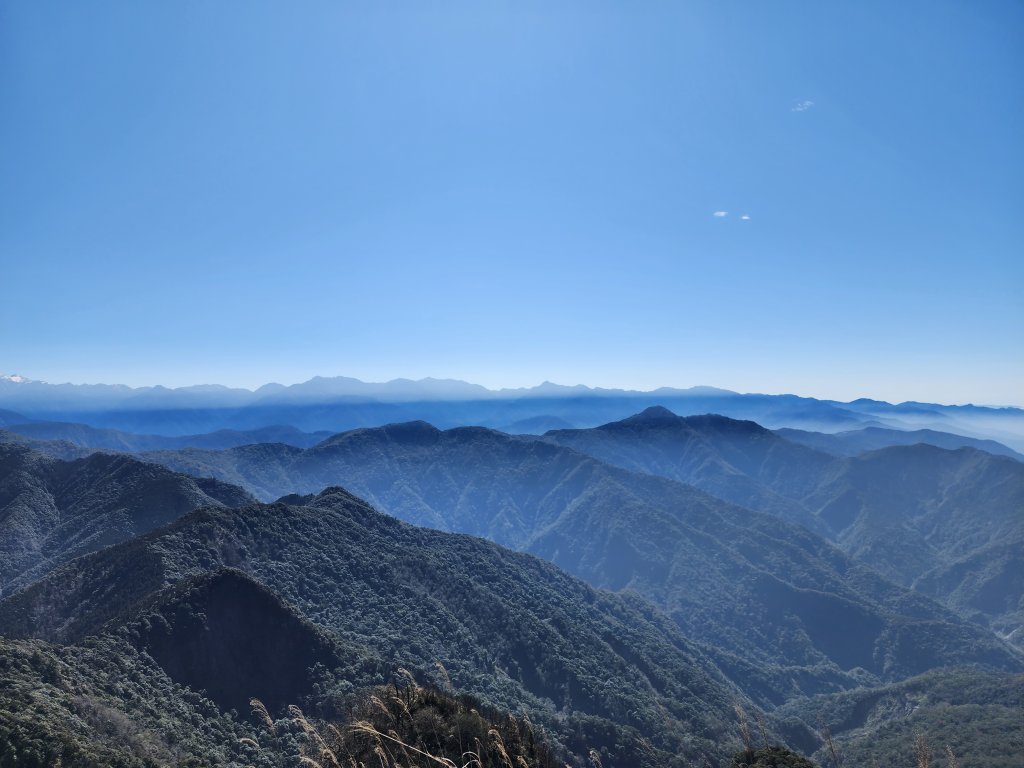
point(305, 417)
point(597, 669)
point(948, 523)
point(52, 511)
point(85, 436)
point(739, 461)
point(1005, 424)
point(324, 389)
point(55, 449)
point(340, 403)
point(784, 611)
point(10, 418)
point(858, 441)
point(536, 425)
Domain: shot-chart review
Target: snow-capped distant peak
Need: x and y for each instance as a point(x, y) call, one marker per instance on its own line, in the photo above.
point(15, 378)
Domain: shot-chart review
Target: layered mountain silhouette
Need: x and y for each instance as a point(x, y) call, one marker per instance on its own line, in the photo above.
point(857, 441)
point(85, 436)
point(782, 610)
point(342, 403)
point(948, 523)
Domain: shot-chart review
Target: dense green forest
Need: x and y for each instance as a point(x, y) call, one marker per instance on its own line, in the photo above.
point(750, 586)
point(156, 618)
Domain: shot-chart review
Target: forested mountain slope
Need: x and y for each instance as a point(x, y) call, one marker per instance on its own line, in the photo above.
point(949, 523)
point(782, 609)
point(600, 670)
point(52, 510)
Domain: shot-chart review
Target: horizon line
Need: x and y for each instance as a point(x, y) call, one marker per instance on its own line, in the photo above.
point(20, 379)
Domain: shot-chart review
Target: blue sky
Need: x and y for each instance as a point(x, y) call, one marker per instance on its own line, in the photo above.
point(242, 192)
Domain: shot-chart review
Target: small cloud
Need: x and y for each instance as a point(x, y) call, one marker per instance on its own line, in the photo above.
point(802, 106)
point(720, 214)
point(744, 217)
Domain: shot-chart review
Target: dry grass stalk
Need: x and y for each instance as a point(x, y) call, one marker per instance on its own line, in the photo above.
point(408, 676)
point(401, 703)
point(367, 728)
point(951, 758)
point(595, 758)
point(499, 747)
point(375, 701)
point(325, 752)
point(445, 679)
point(260, 710)
point(924, 754)
point(741, 717)
point(826, 736)
point(764, 731)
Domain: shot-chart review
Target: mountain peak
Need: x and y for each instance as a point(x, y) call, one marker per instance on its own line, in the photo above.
point(653, 415)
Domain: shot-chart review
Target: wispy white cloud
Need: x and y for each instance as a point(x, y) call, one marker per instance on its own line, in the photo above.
point(720, 214)
point(802, 106)
point(744, 217)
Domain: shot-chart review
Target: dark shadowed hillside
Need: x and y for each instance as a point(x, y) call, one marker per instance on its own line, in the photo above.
point(226, 635)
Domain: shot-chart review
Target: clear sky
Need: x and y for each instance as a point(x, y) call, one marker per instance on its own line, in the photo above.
point(507, 192)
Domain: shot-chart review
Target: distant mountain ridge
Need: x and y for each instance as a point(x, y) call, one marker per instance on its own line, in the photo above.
point(339, 403)
point(85, 436)
point(857, 441)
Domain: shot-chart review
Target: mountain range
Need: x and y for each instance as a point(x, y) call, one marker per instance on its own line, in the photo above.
point(339, 403)
point(622, 587)
point(714, 567)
